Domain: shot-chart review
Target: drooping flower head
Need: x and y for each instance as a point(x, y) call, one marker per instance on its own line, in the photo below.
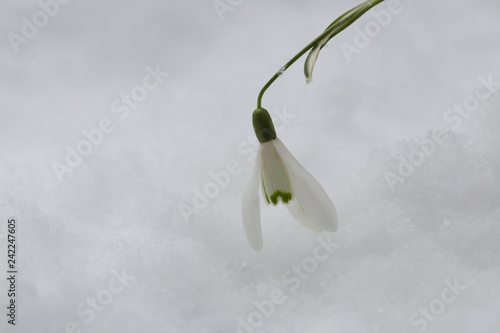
point(279, 174)
point(283, 179)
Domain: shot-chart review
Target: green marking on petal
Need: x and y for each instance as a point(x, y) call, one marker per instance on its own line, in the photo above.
point(285, 197)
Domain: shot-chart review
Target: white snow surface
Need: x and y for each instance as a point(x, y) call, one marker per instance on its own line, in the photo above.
point(420, 255)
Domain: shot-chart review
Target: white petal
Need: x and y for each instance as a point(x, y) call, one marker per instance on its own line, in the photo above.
point(251, 210)
point(313, 207)
point(298, 213)
point(275, 179)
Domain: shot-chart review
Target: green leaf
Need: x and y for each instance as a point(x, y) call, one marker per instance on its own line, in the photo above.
point(332, 30)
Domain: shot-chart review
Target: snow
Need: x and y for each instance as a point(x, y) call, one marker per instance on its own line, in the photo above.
point(416, 250)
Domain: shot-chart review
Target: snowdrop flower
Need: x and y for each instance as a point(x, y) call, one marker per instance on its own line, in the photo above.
point(284, 180)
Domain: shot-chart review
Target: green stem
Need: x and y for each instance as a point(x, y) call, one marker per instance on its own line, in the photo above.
point(336, 27)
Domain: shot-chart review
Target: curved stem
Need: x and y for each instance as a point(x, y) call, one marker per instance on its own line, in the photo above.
point(333, 29)
point(283, 69)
